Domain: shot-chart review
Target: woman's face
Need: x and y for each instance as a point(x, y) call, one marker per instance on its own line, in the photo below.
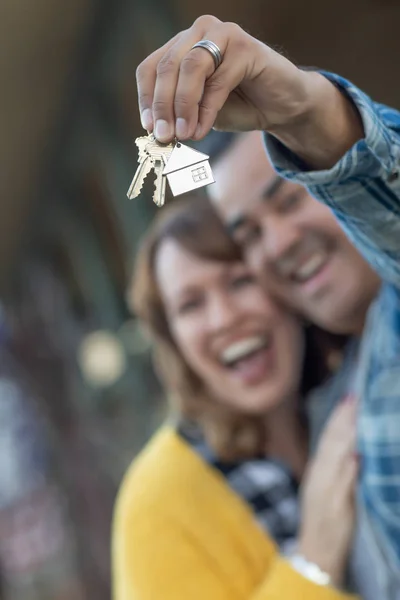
point(246, 349)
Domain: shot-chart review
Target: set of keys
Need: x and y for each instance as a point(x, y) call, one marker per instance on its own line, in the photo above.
point(184, 168)
point(153, 156)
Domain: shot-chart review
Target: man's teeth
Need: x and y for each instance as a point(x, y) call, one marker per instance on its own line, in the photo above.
point(243, 348)
point(309, 268)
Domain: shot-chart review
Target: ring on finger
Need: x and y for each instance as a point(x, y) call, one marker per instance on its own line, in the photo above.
point(212, 48)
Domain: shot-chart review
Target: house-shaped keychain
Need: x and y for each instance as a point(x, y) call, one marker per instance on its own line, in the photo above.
point(187, 170)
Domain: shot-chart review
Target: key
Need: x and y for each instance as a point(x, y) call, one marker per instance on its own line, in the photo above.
point(185, 169)
point(149, 152)
point(160, 154)
point(141, 142)
point(144, 168)
point(159, 151)
point(160, 183)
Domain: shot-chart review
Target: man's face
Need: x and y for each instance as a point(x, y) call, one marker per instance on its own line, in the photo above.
point(291, 241)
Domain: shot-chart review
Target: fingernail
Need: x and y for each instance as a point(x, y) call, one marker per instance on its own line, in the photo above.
point(147, 119)
point(181, 128)
point(163, 131)
point(197, 133)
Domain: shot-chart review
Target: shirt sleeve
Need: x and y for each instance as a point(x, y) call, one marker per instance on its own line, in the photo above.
point(363, 188)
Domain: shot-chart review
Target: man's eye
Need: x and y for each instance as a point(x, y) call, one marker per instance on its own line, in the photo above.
point(290, 201)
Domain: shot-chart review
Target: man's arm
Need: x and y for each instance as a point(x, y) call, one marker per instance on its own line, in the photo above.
point(325, 124)
point(328, 124)
point(363, 187)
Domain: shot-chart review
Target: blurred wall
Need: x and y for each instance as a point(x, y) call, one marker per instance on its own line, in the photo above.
point(39, 48)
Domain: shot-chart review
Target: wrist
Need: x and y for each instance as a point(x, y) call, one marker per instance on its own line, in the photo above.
point(325, 126)
point(324, 559)
point(310, 570)
point(302, 109)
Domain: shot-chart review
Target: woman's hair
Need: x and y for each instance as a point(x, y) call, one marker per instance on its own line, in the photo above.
point(194, 225)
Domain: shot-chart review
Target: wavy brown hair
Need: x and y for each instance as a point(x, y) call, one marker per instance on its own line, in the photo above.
point(194, 225)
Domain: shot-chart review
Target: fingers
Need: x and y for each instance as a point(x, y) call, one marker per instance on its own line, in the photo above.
point(157, 78)
point(339, 436)
point(180, 93)
point(346, 483)
point(196, 74)
point(146, 75)
point(216, 92)
point(343, 418)
point(181, 75)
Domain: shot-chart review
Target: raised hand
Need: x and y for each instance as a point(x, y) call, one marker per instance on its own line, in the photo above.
point(182, 94)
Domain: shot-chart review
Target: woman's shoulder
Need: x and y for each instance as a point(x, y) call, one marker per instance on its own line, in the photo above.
point(164, 471)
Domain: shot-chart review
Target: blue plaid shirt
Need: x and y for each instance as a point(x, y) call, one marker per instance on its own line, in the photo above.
point(363, 190)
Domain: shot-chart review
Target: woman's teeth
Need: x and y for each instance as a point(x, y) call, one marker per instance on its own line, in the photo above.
point(239, 350)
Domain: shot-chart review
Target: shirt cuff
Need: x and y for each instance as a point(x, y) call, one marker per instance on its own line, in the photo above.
point(376, 155)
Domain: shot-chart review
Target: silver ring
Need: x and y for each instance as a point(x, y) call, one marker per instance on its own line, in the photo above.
point(212, 49)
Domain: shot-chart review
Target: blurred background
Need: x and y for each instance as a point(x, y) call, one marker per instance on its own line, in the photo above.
point(78, 397)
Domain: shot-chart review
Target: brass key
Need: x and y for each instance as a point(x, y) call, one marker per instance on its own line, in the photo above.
point(160, 183)
point(144, 168)
point(160, 154)
point(158, 150)
point(185, 168)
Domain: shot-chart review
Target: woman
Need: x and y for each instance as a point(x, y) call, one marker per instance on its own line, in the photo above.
point(209, 509)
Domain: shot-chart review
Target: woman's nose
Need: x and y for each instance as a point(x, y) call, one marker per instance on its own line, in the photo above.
point(222, 313)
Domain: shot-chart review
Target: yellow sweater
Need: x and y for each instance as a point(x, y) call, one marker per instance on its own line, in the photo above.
point(181, 533)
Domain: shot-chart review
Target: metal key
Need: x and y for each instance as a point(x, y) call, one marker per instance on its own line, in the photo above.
point(144, 168)
point(159, 151)
point(159, 154)
point(160, 183)
point(185, 169)
point(152, 155)
point(141, 142)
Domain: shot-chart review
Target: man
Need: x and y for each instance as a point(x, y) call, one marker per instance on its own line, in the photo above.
point(294, 243)
point(299, 250)
point(327, 135)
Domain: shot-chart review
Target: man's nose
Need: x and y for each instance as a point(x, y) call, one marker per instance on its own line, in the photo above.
point(280, 239)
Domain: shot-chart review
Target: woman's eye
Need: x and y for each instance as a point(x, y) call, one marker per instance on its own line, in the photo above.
point(188, 306)
point(242, 281)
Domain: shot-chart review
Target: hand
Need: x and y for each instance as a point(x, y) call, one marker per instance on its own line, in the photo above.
point(329, 493)
point(181, 94)
point(254, 88)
